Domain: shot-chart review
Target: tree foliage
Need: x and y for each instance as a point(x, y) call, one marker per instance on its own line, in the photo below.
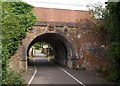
point(16, 18)
point(97, 10)
point(113, 26)
point(109, 19)
point(38, 45)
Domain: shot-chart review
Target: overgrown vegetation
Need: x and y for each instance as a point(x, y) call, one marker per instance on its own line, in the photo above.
point(16, 18)
point(110, 21)
point(113, 25)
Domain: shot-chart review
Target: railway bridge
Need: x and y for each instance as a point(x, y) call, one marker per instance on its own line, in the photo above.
point(71, 36)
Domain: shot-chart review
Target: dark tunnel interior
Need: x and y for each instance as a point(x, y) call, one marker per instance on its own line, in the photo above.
point(61, 47)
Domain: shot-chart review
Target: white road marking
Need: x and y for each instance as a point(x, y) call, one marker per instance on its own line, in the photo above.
point(33, 74)
point(60, 69)
point(71, 76)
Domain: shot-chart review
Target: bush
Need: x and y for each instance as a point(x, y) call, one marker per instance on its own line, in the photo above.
point(16, 18)
point(13, 79)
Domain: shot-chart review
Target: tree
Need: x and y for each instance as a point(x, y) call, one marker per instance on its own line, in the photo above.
point(97, 10)
point(113, 25)
point(109, 19)
point(38, 45)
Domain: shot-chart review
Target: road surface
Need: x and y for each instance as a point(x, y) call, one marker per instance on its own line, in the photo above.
point(46, 72)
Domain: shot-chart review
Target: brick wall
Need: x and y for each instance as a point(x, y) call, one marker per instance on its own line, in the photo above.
point(59, 15)
point(89, 45)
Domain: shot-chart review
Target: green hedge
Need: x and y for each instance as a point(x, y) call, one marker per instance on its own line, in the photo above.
point(16, 18)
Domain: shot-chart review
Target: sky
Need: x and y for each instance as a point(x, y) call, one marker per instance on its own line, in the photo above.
point(63, 4)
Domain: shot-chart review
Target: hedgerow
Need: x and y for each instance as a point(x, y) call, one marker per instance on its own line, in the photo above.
point(16, 17)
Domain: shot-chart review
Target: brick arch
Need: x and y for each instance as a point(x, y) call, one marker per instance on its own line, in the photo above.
point(64, 51)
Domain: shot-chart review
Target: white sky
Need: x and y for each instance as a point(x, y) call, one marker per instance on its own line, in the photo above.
point(63, 4)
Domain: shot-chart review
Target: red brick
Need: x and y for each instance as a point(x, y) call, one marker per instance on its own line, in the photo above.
point(59, 15)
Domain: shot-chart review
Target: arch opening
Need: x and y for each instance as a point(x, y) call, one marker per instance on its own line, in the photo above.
point(62, 49)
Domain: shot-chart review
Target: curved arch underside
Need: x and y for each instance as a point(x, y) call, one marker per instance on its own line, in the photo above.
point(62, 48)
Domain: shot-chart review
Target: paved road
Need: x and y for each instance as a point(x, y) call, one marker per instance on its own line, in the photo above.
point(48, 73)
